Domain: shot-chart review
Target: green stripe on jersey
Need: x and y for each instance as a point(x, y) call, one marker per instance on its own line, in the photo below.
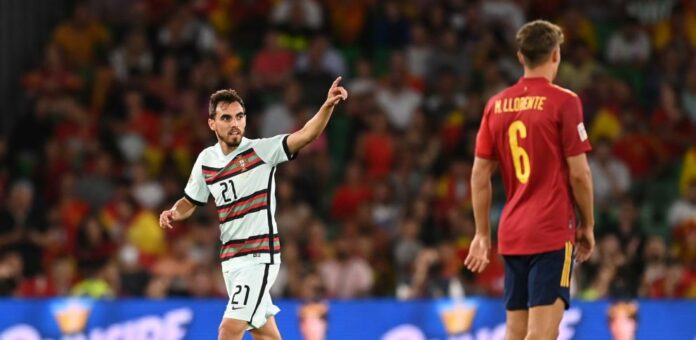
point(244, 247)
point(244, 206)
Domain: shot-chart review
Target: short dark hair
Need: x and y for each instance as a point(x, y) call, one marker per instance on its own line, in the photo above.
point(223, 96)
point(536, 39)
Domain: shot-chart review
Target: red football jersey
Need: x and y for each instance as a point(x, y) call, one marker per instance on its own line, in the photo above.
point(530, 128)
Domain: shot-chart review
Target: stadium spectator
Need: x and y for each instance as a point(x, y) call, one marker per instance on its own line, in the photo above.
point(82, 37)
point(679, 29)
point(344, 272)
point(683, 210)
point(10, 273)
point(347, 19)
point(272, 65)
point(610, 176)
point(671, 124)
point(629, 46)
point(390, 25)
point(53, 77)
point(376, 147)
point(419, 52)
point(23, 227)
point(320, 49)
point(309, 10)
point(133, 57)
point(579, 69)
point(395, 97)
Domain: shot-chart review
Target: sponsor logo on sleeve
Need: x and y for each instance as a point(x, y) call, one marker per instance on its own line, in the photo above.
point(582, 132)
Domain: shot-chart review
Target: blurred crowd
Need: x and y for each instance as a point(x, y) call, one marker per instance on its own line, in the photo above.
point(380, 205)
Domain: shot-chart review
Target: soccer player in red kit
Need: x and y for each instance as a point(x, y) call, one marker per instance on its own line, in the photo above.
point(534, 131)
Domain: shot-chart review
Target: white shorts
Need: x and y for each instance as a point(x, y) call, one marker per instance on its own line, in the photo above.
point(248, 288)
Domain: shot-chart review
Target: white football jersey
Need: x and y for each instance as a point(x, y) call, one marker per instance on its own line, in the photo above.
point(243, 186)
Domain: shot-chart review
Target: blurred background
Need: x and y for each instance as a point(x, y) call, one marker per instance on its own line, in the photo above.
point(104, 108)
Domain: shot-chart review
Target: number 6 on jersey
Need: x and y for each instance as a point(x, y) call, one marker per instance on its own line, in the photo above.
point(520, 158)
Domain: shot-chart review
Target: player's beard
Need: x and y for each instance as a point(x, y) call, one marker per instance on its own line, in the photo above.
point(231, 140)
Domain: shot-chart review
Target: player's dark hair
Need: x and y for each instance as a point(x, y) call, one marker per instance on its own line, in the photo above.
point(536, 39)
point(223, 96)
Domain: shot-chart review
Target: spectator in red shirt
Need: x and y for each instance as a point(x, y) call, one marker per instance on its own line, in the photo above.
point(376, 148)
point(273, 65)
point(349, 195)
point(53, 77)
point(677, 282)
point(637, 148)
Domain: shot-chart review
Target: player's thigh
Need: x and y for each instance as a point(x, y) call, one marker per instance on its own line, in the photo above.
point(269, 331)
point(544, 321)
point(516, 324)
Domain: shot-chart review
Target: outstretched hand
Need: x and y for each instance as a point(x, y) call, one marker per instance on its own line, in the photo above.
point(336, 93)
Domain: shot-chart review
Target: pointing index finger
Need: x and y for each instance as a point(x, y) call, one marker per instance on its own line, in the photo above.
point(336, 82)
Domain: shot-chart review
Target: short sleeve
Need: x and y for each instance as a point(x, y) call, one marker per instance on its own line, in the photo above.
point(484, 139)
point(574, 135)
point(196, 190)
point(273, 150)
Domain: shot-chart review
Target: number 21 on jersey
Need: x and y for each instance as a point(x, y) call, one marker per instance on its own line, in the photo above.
point(520, 158)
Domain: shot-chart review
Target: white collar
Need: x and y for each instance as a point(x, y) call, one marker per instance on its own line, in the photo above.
point(242, 145)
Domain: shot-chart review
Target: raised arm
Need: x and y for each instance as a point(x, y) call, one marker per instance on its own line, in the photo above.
point(182, 209)
point(314, 127)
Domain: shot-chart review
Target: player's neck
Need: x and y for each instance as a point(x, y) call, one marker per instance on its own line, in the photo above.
point(540, 72)
point(226, 149)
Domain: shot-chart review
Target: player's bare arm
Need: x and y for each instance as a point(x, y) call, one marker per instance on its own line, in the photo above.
point(181, 210)
point(314, 127)
point(481, 195)
point(581, 184)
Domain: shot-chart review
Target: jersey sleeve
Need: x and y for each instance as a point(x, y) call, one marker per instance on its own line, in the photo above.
point(484, 140)
point(274, 150)
point(196, 190)
point(574, 135)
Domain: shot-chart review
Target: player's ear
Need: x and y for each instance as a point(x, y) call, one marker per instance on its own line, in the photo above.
point(520, 58)
point(556, 55)
point(211, 124)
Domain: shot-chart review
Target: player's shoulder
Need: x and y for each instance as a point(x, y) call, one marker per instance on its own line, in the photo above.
point(208, 154)
point(264, 142)
point(251, 141)
point(561, 92)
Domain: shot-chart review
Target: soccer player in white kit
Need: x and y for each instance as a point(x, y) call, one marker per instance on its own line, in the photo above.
point(238, 172)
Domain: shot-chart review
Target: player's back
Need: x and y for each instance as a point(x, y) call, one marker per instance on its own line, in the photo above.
point(530, 128)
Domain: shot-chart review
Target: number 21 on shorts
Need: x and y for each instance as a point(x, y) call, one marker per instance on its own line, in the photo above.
point(520, 158)
point(239, 289)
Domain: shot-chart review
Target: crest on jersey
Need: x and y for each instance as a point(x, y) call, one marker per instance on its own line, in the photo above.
point(582, 132)
point(242, 164)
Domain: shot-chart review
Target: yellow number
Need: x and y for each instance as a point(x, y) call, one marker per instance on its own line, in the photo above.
point(520, 158)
